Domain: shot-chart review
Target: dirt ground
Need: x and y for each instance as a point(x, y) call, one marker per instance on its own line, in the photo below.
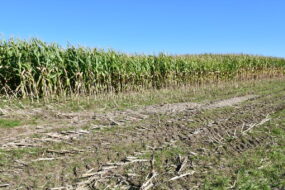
point(161, 146)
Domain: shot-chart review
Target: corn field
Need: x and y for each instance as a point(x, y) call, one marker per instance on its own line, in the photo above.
point(37, 69)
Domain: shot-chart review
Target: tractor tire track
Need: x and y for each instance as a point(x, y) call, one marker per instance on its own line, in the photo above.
point(204, 133)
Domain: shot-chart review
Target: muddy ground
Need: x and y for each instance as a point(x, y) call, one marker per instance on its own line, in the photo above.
point(167, 146)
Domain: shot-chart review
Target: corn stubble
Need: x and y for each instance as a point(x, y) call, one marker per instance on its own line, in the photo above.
point(36, 69)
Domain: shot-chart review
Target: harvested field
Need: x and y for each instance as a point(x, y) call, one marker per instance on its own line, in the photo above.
point(222, 137)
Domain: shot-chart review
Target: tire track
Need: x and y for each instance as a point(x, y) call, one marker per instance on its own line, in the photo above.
point(195, 128)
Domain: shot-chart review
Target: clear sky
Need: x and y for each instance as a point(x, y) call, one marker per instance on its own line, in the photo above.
point(151, 26)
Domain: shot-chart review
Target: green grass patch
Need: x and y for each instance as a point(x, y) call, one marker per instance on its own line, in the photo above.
point(9, 123)
point(259, 168)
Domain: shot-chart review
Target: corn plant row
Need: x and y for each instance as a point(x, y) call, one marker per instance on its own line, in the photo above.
point(37, 69)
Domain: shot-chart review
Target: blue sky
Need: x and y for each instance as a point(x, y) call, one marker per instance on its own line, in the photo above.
point(151, 26)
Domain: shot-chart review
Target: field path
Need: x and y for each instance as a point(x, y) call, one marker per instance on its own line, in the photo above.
point(19, 136)
point(167, 146)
